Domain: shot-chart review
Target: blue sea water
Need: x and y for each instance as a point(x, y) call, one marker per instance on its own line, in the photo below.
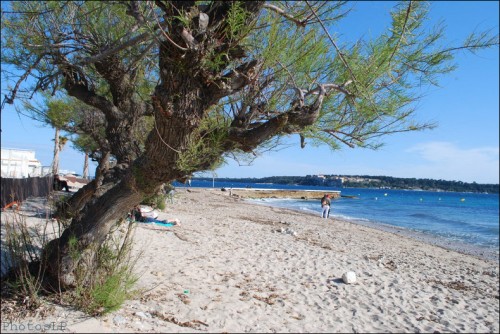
point(465, 218)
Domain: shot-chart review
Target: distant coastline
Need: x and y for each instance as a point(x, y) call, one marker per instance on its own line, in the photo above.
point(365, 181)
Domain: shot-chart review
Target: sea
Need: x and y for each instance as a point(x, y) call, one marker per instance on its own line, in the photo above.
point(467, 222)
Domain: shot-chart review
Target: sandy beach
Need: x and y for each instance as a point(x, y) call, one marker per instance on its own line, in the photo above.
point(233, 266)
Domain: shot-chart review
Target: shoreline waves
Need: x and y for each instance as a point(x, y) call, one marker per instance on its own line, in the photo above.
point(235, 266)
point(460, 221)
point(485, 253)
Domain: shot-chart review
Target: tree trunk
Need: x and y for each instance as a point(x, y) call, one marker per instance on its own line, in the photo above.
point(86, 166)
point(55, 161)
point(90, 229)
point(75, 205)
point(176, 121)
point(180, 101)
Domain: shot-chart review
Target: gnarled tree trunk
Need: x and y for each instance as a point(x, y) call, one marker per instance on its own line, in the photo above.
point(179, 108)
point(59, 259)
point(180, 101)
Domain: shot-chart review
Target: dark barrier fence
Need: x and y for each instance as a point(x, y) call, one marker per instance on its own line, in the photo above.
point(20, 189)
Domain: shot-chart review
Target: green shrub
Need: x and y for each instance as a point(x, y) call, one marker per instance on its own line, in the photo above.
point(155, 201)
point(105, 276)
point(113, 291)
point(22, 281)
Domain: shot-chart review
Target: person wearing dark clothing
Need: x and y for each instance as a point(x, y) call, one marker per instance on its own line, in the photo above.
point(60, 184)
point(325, 206)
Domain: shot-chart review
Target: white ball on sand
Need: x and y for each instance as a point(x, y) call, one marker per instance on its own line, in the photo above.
point(349, 277)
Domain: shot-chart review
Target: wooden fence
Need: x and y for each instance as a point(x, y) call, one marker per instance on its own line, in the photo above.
point(20, 189)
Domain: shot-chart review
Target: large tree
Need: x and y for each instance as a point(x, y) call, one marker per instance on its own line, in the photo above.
point(177, 86)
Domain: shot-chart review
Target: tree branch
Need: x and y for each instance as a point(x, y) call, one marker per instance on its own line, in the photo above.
point(408, 11)
point(300, 23)
point(131, 42)
point(235, 80)
point(333, 43)
point(76, 86)
point(10, 99)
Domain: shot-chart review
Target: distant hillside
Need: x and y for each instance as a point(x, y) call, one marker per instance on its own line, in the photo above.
point(413, 183)
point(366, 181)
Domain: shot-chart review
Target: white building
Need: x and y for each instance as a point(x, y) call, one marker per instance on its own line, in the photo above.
point(18, 163)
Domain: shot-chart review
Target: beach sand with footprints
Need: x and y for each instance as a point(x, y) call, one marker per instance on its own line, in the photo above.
point(234, 266)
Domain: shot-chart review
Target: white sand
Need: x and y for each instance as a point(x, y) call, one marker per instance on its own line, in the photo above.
point(226, 269)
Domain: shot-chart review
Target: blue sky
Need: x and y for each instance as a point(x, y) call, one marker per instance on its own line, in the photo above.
point(464, 146)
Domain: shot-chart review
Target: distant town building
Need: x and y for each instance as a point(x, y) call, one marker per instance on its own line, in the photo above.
point(67, 171)
point(325, 180)
point(19, 163)
point(46, 170)
point(336, 181)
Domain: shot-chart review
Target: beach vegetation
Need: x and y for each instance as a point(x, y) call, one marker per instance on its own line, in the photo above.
point(166, 89)
point(56, 113)
point(104, 278)
point(20, 248)
point(156, 201)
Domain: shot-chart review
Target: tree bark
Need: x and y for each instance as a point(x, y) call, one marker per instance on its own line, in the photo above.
point(178, 112)
point(55, 161)
point(59, 258)
point(86, 166)
point(180, 101)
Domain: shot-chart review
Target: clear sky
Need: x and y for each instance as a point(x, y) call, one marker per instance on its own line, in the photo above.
point(464, 146)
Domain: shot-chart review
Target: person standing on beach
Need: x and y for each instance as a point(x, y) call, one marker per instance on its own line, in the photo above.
point(325, 206)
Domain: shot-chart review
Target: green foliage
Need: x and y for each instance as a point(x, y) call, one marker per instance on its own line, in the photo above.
point(205, 146)
point(104, 277)
point(237, 25)
point(293, 56)
point(214, 61)
point(155, 201)
point(424, 184)
point(387, 73)
point(111, 294)
point(183, 19)
point(59, 113)
point(384, 76)
point(21, 255)
point(85, 143)
point(74, 252)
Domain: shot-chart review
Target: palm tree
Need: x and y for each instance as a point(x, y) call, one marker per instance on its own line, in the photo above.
point(86, 166)
point(59, 143)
